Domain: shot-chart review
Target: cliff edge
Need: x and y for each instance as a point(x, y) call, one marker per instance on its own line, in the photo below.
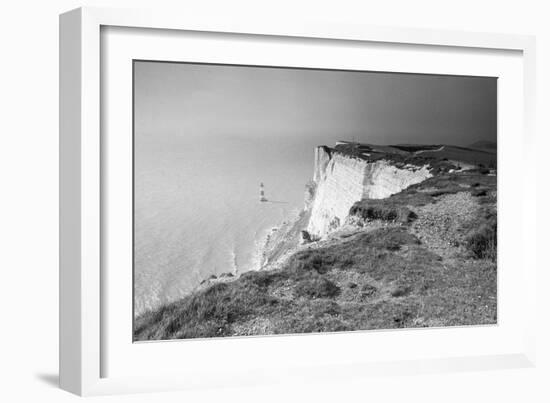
point(340, 179)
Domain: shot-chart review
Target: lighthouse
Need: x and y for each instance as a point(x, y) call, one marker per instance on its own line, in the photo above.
point(262, 194)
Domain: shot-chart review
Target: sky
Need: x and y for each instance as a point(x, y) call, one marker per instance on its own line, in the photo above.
point(208, 101)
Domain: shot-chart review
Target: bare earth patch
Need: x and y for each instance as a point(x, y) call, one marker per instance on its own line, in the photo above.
point(441, 224)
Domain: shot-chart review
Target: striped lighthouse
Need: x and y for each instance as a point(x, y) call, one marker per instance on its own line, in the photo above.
point(262, 194)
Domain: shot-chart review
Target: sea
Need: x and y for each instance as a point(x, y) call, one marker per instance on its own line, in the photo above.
point(197, 211)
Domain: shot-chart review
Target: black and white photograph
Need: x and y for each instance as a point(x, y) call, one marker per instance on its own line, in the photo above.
point(276, 201)
point(272, 200)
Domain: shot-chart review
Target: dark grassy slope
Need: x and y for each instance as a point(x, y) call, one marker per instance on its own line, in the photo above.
point(424, 257)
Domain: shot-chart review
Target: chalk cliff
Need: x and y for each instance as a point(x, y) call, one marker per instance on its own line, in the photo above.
point(340, 180)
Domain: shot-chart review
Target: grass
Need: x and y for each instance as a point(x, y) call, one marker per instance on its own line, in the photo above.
point(482, 238)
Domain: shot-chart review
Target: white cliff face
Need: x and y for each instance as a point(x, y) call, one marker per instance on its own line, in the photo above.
point(322, 158)
point(339, 184)
point(382, 179)
point(340, 181)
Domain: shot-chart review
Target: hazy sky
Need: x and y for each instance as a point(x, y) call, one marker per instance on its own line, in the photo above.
point(175, 100)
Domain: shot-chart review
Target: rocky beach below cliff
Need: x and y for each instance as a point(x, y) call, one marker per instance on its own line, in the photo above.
point(389, 237)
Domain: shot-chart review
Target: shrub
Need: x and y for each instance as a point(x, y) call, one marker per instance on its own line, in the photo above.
point(411, 197)
point(369, 209)
point(368, 290)
point(400, 291)
point(480, 192)
point(482, 241)
point(316, 287)
point(402, 319)
point(260, 278)
point(320, 261)
point(445, 191)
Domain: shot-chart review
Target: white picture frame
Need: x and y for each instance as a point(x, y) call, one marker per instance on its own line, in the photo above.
point(84, 344)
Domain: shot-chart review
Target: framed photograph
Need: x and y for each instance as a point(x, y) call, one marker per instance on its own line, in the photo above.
point(252, 202)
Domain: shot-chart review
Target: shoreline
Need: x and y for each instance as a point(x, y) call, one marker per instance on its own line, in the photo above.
point(272, 250)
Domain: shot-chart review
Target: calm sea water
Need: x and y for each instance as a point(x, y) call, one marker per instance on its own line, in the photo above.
point(197, 209)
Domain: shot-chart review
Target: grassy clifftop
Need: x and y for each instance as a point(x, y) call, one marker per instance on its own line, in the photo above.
point(440, 157)
point(423, 257)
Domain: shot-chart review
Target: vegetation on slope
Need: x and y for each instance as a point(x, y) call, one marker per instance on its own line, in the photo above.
point(423, 257)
